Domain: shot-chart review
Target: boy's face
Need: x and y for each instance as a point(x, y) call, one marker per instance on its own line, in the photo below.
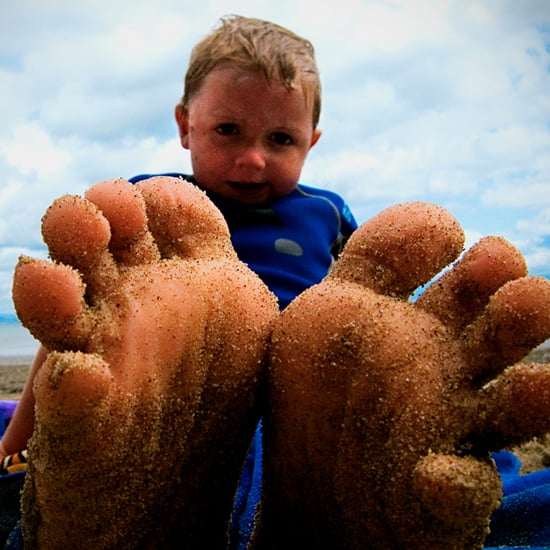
point(248, 138)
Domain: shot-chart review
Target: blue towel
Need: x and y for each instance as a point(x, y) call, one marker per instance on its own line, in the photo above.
point(10, 489)
point(522, 520)
point(248, 496)
point(6, 412)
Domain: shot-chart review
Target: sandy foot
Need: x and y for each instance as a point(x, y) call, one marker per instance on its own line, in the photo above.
point(147, 401)
point(382, 421)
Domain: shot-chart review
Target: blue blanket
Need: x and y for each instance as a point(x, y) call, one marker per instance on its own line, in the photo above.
point(10, 488)
point(522, 521)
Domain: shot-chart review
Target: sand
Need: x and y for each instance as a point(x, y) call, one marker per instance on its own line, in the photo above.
point(12, 379)
point(534, 455)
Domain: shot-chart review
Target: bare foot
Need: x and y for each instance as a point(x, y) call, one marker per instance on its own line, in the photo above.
point(147, 401)
point(382, 420)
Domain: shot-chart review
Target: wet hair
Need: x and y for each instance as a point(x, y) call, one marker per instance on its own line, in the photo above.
point(256, 45)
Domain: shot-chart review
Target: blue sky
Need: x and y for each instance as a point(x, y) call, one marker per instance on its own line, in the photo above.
point(439, 100)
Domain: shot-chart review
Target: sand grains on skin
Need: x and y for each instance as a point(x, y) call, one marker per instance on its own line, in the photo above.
point(153, 410)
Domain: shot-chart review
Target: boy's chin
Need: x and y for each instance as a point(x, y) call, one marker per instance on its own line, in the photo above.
point(252, 194)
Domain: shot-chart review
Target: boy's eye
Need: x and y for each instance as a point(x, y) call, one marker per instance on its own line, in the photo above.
point(227, 129)
point(280, 138)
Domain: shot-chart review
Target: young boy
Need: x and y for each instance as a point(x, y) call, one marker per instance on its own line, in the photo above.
point(249, 117)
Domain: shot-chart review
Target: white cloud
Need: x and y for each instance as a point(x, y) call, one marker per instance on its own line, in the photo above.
point(32, 150)
point(523, 193)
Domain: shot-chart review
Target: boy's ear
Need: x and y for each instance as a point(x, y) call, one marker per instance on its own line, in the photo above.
point(182, 120)
point(315, 137)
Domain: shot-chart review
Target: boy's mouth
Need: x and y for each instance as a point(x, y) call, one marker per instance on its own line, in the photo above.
point(247, 186)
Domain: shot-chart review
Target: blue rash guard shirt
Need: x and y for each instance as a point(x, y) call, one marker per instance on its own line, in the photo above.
point(290, 243)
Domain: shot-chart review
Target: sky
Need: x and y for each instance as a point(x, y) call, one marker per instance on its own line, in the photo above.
point(446, 101)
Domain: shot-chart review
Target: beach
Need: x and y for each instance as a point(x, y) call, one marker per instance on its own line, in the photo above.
point(17, 349)
point(12, 378)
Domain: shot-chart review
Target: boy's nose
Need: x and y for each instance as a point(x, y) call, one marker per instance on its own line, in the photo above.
point(252, 156)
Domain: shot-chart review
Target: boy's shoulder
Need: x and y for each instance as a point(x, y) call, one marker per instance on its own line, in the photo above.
point(307, 191)
point(310, 191)
point(337, 202)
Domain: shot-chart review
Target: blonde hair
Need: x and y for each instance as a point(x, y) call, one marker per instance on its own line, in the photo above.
point(256, 45)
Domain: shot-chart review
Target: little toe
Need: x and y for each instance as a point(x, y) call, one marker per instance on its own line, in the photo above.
point(401, 248)
point(457, 490)
point(463, 292)
point(183, 220)
point(69, 385)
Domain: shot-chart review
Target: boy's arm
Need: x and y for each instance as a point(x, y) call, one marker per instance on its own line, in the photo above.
point(21, 425)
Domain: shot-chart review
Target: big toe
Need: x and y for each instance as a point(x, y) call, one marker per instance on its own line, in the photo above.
point(401, 248)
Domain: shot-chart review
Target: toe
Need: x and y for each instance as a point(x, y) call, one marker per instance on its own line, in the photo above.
point(516, 407)
point(463, 292)
point(516, 320)
point(70, 384)
point(77, 234)
point(183, 220)
point(401, 248)
point(75, 231)
point(48, 299)
point(122, 205)
point(457, 490)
